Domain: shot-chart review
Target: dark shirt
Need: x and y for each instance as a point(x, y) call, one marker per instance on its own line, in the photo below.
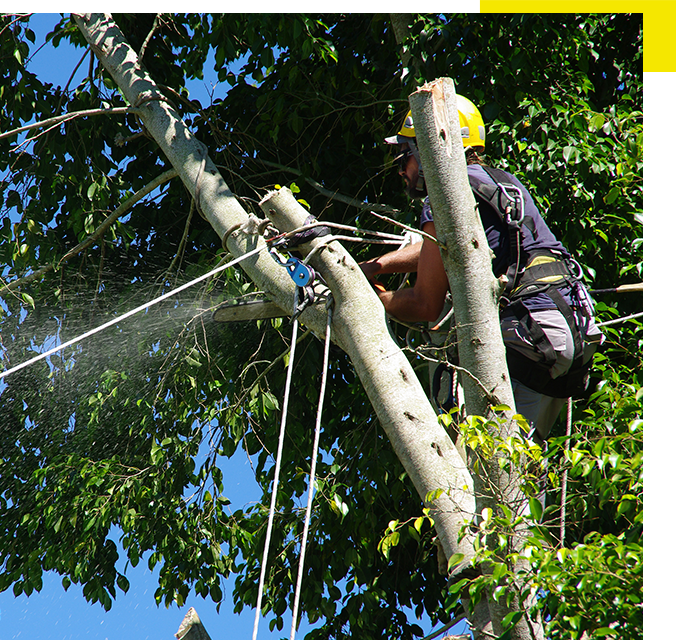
point(535, 236)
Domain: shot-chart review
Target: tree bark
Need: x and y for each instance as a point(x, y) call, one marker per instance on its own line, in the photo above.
point(464, 248)
point(192, 628)
point(401, 23)
point(475, 291)
point(425, 449)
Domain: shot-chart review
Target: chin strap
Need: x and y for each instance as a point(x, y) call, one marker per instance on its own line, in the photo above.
point(416, 154)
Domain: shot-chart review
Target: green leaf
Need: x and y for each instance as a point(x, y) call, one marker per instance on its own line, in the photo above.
point(216, 593)
point(28, 299)
point(434, 495)
point(535, 509)
point(568, 152)
point(123, 583)
point(611, 196)
point(455, 560)
point(512, 618)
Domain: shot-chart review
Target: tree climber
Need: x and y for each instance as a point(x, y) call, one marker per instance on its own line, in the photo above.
point(546, 313)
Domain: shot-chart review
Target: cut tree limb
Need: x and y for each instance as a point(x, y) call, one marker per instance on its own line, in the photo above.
point(476, 291)
point(425, 449)
point(465, 252)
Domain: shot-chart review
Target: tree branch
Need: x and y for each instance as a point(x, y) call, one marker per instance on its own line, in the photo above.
point(401, 23)
point(142, 50)
point(100, 231)
point(69, 116)
point(332, 195)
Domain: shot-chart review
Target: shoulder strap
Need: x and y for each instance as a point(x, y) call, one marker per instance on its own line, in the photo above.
point(506, 200)
point(486, 191)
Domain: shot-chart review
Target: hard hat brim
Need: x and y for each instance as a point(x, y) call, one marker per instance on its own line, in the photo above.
point(398, 139)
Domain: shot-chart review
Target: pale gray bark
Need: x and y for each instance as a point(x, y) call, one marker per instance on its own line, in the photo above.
point(192, 628)
point(360, 328)
point(463, 245)
point(467, 261)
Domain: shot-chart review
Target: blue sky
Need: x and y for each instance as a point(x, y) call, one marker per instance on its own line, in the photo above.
point(54, 614)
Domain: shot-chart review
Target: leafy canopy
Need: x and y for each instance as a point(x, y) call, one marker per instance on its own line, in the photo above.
point(127, 438)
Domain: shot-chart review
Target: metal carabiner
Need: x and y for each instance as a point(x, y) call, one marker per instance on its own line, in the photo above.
point(516, 200)
point(303, 297)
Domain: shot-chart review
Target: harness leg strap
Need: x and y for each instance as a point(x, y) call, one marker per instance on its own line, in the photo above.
point(567, 313)
point(537, 335)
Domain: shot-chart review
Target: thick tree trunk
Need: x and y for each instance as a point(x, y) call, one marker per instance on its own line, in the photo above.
point(464, 248)
point(403, 409)
point(475, 291)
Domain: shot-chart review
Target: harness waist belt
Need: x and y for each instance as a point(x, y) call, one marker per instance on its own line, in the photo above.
point(544, 271)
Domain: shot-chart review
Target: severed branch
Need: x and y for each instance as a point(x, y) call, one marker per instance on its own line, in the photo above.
point(100, 231)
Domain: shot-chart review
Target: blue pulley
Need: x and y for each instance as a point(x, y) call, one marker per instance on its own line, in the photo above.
point(300, 273)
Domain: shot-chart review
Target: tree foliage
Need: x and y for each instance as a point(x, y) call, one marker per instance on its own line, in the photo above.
point(128, 436)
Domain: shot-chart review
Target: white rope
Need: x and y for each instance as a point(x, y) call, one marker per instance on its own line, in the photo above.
point(618, 320)
point(313, 466)
point(275, 483)
point(124, 316)
point(564, 479)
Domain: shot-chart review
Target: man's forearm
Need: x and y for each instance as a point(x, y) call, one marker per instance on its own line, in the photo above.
point(401, 261)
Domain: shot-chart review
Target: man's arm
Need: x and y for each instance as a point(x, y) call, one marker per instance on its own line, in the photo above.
point(400, 261)
point(425, 300)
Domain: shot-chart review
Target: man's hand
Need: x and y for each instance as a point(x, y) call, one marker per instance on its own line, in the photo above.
point(425, 300)
point(371, 269)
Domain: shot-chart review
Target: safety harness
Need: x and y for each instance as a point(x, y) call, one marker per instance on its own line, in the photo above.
point(539, 271)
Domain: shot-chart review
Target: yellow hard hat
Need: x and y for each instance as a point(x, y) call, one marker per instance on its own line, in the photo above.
point(472, 128)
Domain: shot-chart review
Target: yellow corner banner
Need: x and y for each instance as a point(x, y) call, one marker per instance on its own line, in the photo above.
point(659, 16)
